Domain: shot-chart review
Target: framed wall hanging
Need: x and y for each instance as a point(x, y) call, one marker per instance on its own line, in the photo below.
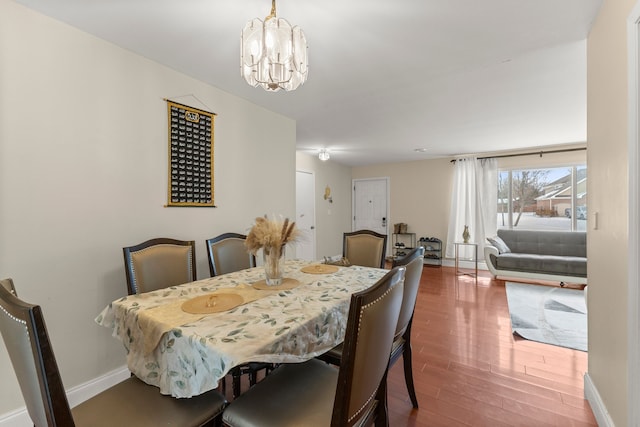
point(191, 177)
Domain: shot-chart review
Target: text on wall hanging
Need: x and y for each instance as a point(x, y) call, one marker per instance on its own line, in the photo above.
point(191, 181)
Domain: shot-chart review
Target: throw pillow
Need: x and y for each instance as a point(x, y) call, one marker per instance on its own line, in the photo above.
point(499, 244)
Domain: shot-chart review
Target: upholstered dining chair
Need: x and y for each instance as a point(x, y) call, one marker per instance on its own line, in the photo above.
point(159, 263)
point(414, 264)
point(129, 403)
point(8, 285)
point(315, 393)
point(365, 247)
point(227, 254)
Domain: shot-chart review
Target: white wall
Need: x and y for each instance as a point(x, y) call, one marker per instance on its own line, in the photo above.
point(332, 219)
point(420, 194)
point(83, 172)
point(607, 192)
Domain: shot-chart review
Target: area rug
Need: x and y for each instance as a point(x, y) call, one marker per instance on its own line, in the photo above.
point(548, 314)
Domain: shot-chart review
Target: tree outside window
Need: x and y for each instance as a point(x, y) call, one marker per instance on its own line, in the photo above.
point(543, 199)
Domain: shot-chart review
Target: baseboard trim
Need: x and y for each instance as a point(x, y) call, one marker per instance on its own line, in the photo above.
point(597, 405)
point(466, 264)
point(75, 395)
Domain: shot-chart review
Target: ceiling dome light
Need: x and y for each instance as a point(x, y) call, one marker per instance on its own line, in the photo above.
point(324, 155)
point(273, 54)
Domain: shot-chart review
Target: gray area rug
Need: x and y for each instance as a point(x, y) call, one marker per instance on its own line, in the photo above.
point(548, 314)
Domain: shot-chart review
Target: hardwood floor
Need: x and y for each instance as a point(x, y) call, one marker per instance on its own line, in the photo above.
point(469, 369)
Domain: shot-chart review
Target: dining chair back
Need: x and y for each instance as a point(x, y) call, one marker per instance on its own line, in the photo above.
point(8, 285)
point(227, 253)
point(365, 247)
point(414, 264)
point(159, 263)
point(314, 393)
point(130, 402)
point(370, 329)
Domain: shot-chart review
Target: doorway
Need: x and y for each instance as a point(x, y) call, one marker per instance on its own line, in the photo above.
point(306, 215)
point(371, 205)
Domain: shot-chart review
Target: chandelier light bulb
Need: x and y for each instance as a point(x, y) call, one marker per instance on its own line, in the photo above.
point(324, 155)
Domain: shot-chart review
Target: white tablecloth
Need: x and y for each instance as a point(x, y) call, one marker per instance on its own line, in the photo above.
point(285, 326)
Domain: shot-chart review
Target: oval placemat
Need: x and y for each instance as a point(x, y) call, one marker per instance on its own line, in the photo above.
point(212, 303)
point(319, 269)
point(287, 283)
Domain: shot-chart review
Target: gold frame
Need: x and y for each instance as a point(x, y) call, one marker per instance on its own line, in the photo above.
point(190, 172)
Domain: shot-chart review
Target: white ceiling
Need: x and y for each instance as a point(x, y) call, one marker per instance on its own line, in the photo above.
point(385, 77)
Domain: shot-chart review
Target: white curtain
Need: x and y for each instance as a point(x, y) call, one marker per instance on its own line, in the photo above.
point(474, 203)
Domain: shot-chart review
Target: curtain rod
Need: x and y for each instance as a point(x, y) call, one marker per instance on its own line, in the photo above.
point(540, 153)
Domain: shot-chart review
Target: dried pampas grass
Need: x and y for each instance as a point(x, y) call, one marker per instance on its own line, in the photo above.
point(271, 234)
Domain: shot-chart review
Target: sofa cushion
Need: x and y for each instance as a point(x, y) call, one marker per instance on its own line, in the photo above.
point(559, 243)
point(535, 263)
point(499, 244)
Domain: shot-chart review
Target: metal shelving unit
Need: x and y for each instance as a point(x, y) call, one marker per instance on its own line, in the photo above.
point(402, 243)
point(432, 250)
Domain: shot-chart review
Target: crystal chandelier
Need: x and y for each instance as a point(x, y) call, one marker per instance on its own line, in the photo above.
point(324, 155)
point(273, 54)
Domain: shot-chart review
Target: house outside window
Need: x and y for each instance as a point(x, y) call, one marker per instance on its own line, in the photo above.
point(543, 198)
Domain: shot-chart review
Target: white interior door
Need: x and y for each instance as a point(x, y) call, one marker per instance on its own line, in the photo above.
point(370, 204)
point(306, 215)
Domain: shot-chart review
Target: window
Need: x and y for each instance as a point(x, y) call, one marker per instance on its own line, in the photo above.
point(543, 199)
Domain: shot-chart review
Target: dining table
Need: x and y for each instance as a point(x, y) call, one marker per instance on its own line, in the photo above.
point(184, 339)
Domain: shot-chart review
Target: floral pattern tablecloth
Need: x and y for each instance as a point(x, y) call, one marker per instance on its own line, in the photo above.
point(286, 326)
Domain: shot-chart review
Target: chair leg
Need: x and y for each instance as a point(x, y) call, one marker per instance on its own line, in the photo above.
point(216, 422)
point(222, 384)
point(253, 377)
point(408, 374)
point(235, 376)
point(382, 417)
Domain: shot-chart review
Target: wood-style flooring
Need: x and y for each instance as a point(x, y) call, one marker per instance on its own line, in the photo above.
point(469, 369)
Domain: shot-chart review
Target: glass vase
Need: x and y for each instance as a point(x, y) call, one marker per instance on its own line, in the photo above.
point(273, 258)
